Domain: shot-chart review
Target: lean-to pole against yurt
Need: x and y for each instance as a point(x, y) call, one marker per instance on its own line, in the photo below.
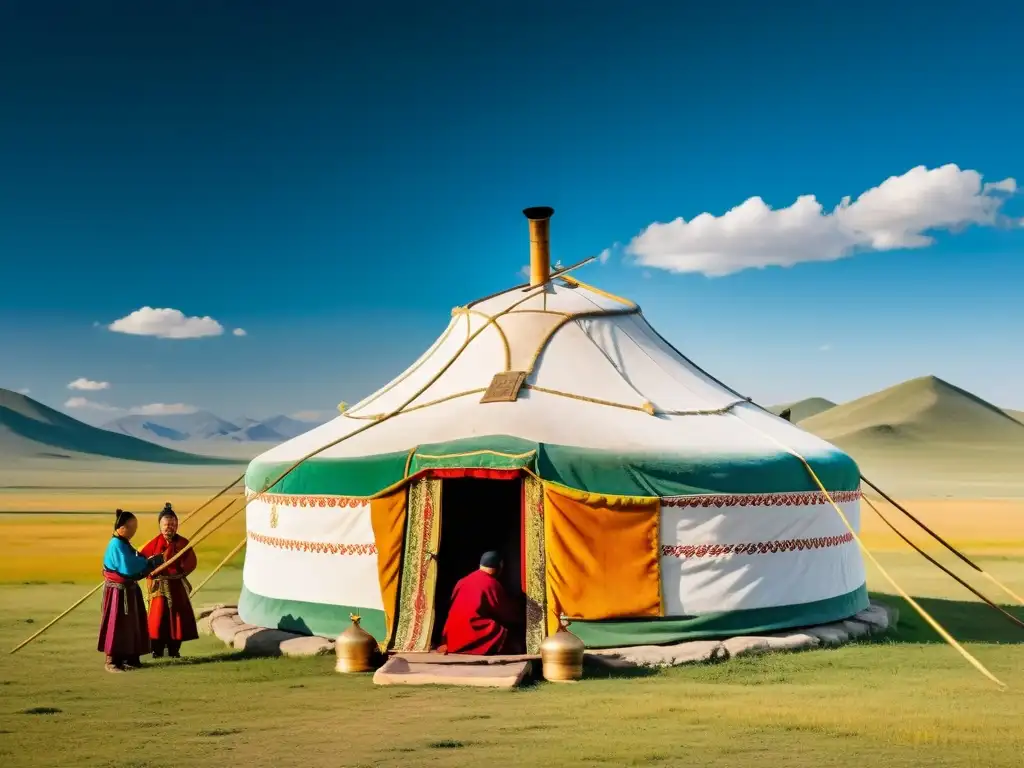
point(624, 486)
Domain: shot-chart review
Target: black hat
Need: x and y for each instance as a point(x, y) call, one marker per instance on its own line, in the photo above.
point(122, 518)
point(490, 560)
point(167, 511)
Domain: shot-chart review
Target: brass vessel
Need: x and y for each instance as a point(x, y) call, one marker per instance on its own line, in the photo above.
point(561, 656)
point(355, 648)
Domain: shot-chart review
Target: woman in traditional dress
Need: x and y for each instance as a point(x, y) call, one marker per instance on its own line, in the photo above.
point(171, 619)
point(124, 636)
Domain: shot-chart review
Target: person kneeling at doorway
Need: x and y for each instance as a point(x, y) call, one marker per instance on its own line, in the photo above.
point(483, 619)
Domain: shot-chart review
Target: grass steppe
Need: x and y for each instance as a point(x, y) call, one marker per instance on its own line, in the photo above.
point(907, 700)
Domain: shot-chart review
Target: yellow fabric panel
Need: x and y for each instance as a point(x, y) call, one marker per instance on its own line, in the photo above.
point(387, 516)
point(603, 557)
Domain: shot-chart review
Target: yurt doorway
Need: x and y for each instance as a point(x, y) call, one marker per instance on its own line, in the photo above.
point(478, 516)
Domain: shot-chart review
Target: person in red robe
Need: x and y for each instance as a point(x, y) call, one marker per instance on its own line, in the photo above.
point(171, 619)
point(482, 619)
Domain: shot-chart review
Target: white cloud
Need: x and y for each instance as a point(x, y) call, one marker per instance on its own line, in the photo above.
point(25, 391)
point(162, 409)
point(825, 348)
point(85, 403)
point(166, 324)
point(898, 213)
point(525, 271)
point(1006, 185)
point(88, 385)
point(604, 255)
point(239, 332)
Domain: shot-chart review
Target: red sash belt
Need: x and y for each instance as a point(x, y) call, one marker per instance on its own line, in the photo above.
point(120, 583)
point(116, 578)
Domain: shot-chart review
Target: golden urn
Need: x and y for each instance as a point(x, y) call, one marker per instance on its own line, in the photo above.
point(561, 655)
point(355, 648)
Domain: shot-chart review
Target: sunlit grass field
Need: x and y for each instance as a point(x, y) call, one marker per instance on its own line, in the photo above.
point(907, 700)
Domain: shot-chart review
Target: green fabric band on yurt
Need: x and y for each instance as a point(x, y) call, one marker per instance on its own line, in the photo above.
point(754, 621)
point(620, 474)
point(307, 618)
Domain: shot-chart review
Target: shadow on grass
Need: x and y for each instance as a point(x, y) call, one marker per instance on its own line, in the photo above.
point(592, 670)
point(967, 621)
point(188, 661)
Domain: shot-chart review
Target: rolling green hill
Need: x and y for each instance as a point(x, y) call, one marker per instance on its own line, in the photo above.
point(926, 409)
point(929, 437)
point(29, 429)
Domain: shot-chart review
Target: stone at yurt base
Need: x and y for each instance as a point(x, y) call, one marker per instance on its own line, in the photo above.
point(426, 668)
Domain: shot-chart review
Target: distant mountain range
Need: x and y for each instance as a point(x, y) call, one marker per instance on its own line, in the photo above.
point(30, 429)
point(203, 425)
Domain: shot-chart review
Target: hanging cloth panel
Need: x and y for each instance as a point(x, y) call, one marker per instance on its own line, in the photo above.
point(602, 556)
point(387, 516)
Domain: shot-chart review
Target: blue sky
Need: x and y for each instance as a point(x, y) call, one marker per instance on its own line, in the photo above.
point(333, 179)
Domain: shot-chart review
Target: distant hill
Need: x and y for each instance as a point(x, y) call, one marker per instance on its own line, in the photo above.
point(926, 409)
point(804, 409)
point(927, 437)
point(1018, 415)
point(30, 429)
point(205, 426)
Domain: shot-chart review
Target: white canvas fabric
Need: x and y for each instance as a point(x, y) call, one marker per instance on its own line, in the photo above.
point(782, 554)
point(617, 359)
point(283, 561)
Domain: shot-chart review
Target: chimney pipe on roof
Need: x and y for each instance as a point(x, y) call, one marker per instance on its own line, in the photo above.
point(540, 247)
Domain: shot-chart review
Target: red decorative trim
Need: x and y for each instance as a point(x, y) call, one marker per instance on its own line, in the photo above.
point(318, 547)
point(802, 499)
point(686, 551)
point(289, 500)
point(477, 473)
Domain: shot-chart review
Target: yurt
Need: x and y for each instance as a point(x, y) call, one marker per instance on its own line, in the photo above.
point(626, 488)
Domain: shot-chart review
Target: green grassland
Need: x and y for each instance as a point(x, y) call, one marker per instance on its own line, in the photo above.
point(906, 700)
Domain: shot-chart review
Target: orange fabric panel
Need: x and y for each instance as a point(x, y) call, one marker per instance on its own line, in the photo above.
point(602, 556)
point(387, 516)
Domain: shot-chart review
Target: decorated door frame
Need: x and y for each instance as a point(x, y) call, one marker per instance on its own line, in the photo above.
point(534, 563)
point(415, 623)
point(415, 620)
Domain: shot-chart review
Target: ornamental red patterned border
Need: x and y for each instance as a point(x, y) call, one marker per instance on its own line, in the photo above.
point(686, 551)
point(802, 499)
point(316, 547)
point(289, 500)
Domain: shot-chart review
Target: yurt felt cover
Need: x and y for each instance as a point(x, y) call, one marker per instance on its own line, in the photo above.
point(607, 406)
